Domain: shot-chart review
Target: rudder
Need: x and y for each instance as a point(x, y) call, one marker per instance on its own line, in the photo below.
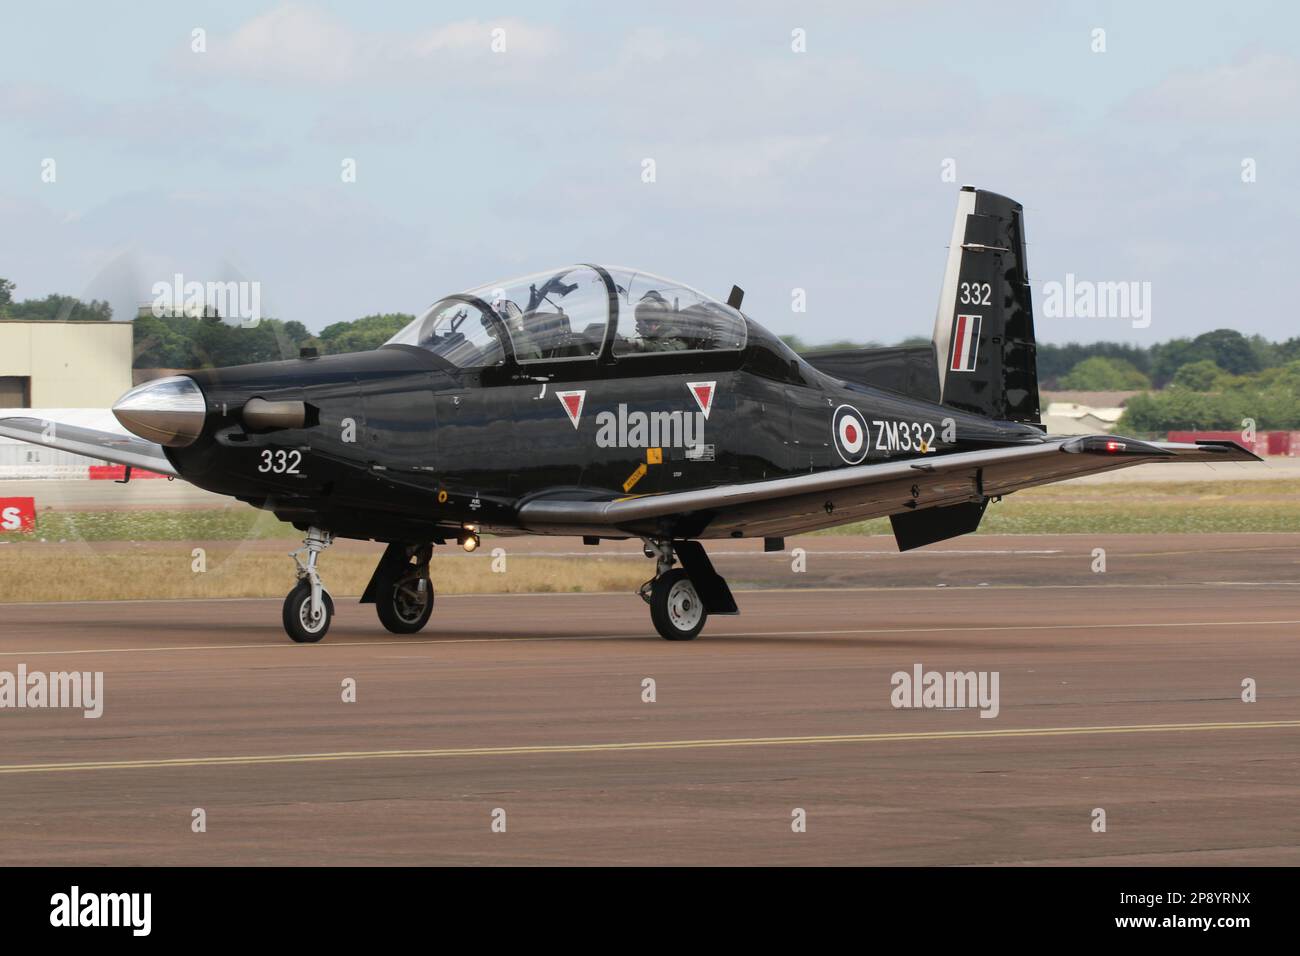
point(984, 331)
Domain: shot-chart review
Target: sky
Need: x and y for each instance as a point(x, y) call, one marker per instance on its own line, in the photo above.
point(812, 145)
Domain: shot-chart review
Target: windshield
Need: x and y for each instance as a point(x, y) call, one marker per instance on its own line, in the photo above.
point(563, 315)
point(549, 316)
point(660, 315)
point(459, 330)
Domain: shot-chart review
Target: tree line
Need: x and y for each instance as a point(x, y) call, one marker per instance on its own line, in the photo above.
point(1210, 381)
point(183, 341)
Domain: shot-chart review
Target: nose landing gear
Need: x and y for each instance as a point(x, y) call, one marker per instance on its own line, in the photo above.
point(308, 609)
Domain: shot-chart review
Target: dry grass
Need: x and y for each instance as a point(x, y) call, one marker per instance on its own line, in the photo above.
point(126, 572)
point(96, 563)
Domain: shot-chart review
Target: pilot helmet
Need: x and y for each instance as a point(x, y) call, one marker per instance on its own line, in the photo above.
point(507, 309)
point(652, 313)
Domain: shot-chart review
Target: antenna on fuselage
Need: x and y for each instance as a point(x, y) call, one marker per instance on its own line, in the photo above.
point(737, 296)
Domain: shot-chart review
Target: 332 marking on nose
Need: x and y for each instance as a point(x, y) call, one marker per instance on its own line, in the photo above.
point(280, 462)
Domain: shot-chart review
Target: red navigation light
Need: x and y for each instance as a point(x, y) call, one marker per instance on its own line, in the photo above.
point(1114, 446)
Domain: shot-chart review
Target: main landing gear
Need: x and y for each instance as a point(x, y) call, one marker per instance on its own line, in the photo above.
point(308, 608)
point(681, 599)
point(401, 589)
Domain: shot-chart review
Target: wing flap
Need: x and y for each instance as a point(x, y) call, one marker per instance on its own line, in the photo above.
point(91, 442)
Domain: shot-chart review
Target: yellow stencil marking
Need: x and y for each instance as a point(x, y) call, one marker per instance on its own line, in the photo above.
point(654, 456)
point(636, 476)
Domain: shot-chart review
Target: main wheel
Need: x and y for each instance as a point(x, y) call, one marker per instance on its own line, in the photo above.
point(298, 621)
point(404, 606)
point(675, 606)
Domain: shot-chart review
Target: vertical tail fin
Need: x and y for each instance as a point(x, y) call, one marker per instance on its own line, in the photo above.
point(984, 331)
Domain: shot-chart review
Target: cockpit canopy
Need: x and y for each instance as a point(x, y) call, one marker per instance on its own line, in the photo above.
point(572, 314)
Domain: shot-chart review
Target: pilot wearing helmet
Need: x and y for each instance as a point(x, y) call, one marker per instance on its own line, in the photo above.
point(655, 325)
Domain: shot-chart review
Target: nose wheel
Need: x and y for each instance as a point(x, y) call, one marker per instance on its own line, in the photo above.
point(308, 609)
point(301, 623)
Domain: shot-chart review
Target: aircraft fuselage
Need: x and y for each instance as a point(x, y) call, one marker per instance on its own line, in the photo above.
point(402, 446)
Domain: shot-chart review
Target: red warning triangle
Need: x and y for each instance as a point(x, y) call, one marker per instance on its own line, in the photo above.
point(573, 402)
point(702, 392)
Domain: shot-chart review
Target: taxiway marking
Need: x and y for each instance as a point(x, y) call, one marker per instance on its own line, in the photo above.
point(633, 746)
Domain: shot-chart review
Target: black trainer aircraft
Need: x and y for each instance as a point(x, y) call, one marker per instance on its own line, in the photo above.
point(610, 403)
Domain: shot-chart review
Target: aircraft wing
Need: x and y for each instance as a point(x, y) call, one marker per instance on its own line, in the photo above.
point(780, 506)
point(91, 442)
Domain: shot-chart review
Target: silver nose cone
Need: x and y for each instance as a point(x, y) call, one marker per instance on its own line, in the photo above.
point(169, 411)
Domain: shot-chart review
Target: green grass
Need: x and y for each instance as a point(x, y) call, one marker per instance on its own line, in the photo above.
point(1135, 508)
point(1005, 518)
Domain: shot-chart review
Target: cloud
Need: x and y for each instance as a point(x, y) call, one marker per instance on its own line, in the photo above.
point(301, 45)
point(159, 125)
point(1261, 87)
point(352, 126)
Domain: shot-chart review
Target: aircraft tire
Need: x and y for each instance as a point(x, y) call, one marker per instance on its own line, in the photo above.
point(297, 615)
point(675, 607)
point(403, 616)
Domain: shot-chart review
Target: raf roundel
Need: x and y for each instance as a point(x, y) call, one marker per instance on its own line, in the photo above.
point(851, 438)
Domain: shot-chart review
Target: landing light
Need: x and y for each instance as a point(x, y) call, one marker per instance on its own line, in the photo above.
point(469, 541)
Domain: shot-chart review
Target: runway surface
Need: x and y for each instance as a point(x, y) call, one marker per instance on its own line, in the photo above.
point(1118, 691)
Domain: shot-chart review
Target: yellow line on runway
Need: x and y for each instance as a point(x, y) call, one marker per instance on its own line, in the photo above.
point(543, 749)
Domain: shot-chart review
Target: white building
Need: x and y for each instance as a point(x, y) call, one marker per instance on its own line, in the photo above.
point(69, 372)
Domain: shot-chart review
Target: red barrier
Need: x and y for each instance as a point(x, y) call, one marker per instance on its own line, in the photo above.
point(17, 515)
point(118, 472)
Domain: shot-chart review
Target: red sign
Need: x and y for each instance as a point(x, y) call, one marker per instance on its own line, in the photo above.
point(17, 515)
point(118, 473)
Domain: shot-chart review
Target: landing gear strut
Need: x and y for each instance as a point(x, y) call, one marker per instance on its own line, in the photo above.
point(402, 591)
point(308, 608)
point(681, 599)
